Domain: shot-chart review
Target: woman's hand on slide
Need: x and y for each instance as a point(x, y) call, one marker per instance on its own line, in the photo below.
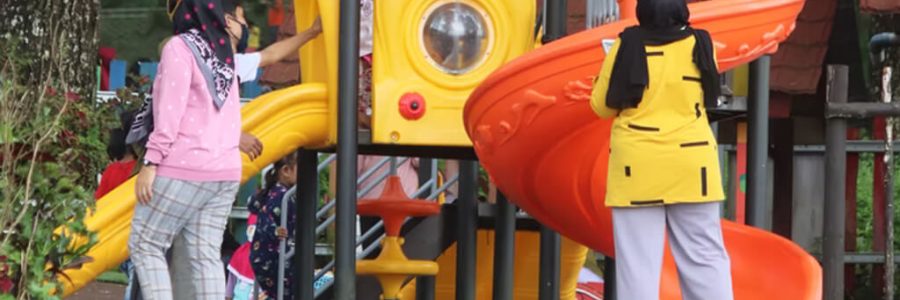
point(281, 232)
point(143, 186)
point(251, 145)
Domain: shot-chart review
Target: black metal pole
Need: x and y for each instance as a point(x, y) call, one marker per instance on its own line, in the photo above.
point(549, 273)
point(305, 233)
point(504, 249)
point(425, 287)
point(468, 225)
point(348, 78)
point(758, 142)
point(425, 284)
point(835, 173)
point(609, 278)
point(424, 170)
point(555, 26)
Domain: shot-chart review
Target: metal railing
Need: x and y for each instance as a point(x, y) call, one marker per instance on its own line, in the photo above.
point(600, 12)
point(429, 187)
point(375, 245)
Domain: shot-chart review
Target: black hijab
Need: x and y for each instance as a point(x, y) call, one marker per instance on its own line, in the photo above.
point(661, 22)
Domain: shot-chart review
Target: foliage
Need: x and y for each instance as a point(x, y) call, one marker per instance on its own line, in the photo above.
point(52, 145)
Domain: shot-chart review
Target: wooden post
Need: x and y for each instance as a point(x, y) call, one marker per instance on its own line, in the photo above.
point(740, 178)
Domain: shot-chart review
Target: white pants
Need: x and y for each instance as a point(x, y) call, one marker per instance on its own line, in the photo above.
point(695, 236)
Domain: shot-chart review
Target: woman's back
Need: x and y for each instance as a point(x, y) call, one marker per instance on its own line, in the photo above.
point(661, 151)
point(674, 97)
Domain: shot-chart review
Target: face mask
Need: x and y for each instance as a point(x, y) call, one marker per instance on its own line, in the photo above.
point(244, 40)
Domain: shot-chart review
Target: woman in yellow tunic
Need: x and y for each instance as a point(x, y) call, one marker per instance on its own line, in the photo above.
point(657, 80)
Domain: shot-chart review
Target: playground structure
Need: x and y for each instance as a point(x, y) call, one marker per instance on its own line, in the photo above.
point(522, 110)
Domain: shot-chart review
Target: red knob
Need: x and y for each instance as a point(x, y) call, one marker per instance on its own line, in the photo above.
point(412, 106)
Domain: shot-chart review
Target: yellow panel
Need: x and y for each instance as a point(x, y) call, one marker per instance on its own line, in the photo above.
point(741, 81)
point(318, 58)
point(401, 66)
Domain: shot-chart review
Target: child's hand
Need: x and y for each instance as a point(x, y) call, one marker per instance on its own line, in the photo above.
point(281, 232)
point(316, 27)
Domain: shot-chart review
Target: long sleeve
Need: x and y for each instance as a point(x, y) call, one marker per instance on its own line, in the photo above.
point(601, 85)
point(292, 217)
point(255, 205)
point(170, 97)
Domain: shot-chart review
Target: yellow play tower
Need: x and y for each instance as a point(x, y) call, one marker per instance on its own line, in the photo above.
point(428, 56)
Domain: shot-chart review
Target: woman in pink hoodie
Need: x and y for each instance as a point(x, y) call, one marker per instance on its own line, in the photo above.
point(192, 166)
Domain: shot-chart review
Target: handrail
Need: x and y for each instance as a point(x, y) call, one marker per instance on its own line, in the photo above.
point(284, 254)
point(328, 206)
point(330, 220)
point(375, 245)
point(325, 208)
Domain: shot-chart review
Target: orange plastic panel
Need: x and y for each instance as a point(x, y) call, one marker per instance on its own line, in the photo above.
point(393, 206)
point(535, 133)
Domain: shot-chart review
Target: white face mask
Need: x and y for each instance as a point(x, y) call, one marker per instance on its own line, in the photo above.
point(250, 230)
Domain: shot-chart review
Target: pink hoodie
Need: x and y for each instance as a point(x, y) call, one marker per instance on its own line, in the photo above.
point(191, 139)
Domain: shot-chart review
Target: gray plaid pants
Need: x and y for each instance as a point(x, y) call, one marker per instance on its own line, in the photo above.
point(193, 212)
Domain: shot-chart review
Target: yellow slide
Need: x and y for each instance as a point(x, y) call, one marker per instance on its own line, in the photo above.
point(283, 120)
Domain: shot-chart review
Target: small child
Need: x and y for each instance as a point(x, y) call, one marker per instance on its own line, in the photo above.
point(269, 233)
point(240, 272)
point(121, 167)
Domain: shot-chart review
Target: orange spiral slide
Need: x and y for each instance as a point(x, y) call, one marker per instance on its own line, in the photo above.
point(536, 135)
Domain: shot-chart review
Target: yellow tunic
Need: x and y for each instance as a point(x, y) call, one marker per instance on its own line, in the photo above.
point(663, 151)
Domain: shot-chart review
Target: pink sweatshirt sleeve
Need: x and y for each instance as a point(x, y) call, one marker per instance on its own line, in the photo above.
point(170, 96)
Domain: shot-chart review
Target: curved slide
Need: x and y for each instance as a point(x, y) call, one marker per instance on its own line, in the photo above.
point(283, 120)
point(536, 135)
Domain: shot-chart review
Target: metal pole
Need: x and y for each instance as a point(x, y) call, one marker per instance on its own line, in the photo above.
point(348, 78)
point(305, 233)
point(609, 278)
point(835, 173)
point(758, 142)
point(549, 273)
point(425, 284)
point(557, 17)
point(467, 230)
point(282, 245)
point(504, 248)
point(425, 287)
point(555, 26)
point(888, 187)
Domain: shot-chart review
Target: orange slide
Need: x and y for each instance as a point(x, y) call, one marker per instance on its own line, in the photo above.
point(535, 133)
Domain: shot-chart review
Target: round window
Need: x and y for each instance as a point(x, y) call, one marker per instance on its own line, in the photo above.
point(455, 37)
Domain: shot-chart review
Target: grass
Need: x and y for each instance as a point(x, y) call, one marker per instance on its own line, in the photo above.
point(113, 277)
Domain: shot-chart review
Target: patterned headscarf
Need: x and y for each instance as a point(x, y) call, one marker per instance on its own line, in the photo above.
point(201, 24)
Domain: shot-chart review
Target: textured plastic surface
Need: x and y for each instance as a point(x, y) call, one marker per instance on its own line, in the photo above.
point(394, 206)
point(535, 133)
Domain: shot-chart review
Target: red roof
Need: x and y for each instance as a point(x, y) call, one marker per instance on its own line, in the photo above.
point(797, 66)
point(880, 5)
